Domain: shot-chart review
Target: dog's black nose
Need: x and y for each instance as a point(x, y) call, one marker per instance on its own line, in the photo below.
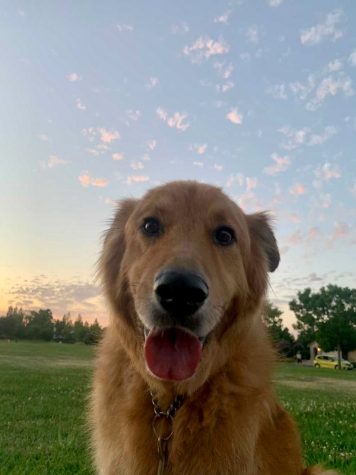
point(180, 293)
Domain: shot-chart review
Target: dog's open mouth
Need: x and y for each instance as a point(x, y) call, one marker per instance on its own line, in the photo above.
point(172, 353)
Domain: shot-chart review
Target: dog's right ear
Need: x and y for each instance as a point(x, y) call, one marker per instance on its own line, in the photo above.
point(114, 246)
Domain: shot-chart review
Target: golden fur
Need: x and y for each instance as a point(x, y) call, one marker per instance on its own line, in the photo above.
point(230, 422)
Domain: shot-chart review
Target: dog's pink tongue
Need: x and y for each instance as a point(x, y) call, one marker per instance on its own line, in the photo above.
point(172, 353)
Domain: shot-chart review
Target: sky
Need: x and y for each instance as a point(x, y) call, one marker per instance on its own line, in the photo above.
point(104, 100)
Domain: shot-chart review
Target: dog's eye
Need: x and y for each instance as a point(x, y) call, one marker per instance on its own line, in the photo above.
point(224, 236)
point(151, 227)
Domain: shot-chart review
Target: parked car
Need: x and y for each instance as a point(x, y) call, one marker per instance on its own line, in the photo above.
point(325, 361)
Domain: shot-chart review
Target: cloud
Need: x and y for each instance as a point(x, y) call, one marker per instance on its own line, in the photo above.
point(108, 136)
point(234, 116)
point(176, 121)
point(137, 165)
point(59, 295)
point(74, 77)
point(117, 156)
point(252, 35)
point(251, 183)
point(219, 168)
point(295, 238)
point(274, 3)
point(313, 233)
point(204, 48)
point(330, 86)
point(43, 137)
point(124, 28)
point(316, 139)
point(199, 149)
point(136, 179)
point(297, 189)
point(278, 91)
point(80, 106)
point(304, 136)
point(133, 115)
point(152, 144)
point(224, 18)
point(180, 28)
point(352, 58)
point(152, 83)
point(328, 172)
point(198, 164)
point(281, 164)
point(333, 66)
point(87, 180)
point(327, 30)
point(296, 137)
point(54, 161)
point(340, 230)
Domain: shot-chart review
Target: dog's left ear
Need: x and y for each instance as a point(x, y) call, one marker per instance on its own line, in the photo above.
point(261, 231)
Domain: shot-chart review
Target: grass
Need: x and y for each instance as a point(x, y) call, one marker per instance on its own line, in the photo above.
point(43, 394)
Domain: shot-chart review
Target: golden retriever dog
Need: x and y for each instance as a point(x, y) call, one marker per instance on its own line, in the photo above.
point(183, 377)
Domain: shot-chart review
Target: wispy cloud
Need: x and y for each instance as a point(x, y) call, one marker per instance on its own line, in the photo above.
point(175, 121)
point(281, 164)
point(331, 86)
point(204, 48)
point(152, 82)
point(297, 189)
point(86, 180)
point(108, 136)
point(352, 58)
point(55, 161)
point(252, 34)
point(74, 77)
point(137, 165)
point(274, 3)
point(124, 28)
point(180, 28)
point(80, 105)
point(278, 91)
point(117, 156)
point(224, 18)
point(304, 136)
point(132, 179)
point(199, 149)
point(234, 116)
point(327, 172)
point(152, 144)
point(329, 29)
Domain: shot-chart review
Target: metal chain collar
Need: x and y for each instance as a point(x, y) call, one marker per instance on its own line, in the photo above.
point(160, 430)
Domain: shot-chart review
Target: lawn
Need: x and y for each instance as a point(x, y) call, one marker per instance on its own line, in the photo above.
point(43, 391)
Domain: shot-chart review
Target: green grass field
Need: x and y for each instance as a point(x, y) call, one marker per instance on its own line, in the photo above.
point(43, 391)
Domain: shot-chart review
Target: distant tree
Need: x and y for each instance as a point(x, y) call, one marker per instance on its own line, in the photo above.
point(12, 324)
point(64, 329)
point(39, 325)
point(327, 316)
point(94, 334)
point(281, 337)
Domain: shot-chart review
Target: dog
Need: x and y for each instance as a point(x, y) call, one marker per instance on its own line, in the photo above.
point(182, 384)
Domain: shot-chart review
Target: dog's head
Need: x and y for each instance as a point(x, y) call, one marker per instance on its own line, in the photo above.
point(181, 267)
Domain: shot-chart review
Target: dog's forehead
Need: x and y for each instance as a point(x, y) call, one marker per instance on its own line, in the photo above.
point(186, 197)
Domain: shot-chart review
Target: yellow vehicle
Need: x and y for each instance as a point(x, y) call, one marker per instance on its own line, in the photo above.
point(325, 361)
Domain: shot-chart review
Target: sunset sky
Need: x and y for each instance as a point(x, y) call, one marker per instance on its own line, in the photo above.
point(103, 100)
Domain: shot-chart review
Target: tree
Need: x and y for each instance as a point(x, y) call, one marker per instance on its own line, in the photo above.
point(39, 325)
point(281, 337)
point(94, 334)
point(327, 316)
point(12, 325)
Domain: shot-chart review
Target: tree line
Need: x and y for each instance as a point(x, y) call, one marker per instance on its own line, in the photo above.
point(327, 316)
point(41, 325)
